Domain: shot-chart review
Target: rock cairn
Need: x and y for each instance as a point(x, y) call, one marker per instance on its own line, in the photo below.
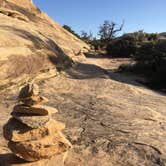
point(31, 132)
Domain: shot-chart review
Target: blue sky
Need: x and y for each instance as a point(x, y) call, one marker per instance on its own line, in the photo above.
point(88, 15)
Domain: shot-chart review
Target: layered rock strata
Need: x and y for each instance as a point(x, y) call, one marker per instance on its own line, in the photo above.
point(32, 134)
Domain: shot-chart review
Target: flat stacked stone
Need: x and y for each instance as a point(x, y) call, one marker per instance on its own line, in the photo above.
point(32, 134)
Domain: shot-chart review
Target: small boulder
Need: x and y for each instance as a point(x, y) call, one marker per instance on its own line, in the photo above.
point(30, 120)
point(34, 110)
point(41, 149)
point(29, 90)
point(18, 132)
point(34, 100)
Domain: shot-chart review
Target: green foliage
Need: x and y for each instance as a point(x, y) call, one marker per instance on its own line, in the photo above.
point(69, 29)
point(95, 44)
point(150, 60)
point(124, 46)
point(107, 32)
point(128, 44)
point(86, 37)
point(152, 36)
point(146, 52)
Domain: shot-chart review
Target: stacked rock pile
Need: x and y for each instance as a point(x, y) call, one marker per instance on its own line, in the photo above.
point(32, 133)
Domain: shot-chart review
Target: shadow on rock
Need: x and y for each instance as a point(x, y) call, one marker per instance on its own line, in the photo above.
point(9, 158)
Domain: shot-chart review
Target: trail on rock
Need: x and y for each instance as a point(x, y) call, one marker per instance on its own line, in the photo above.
point(110, 119)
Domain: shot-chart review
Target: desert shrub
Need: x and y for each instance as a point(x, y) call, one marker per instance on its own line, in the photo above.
point(128, 44)
point(124, 46)
point(152, 36)
point(69, 29)
point(140, 36)
point(146, 51)
point(162, 45)
point(96, 44)
point(150, 60)
point(158, 78)
point(151, 52)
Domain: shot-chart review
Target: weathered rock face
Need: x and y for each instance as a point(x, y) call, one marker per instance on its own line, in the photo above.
point(109, 122)
point(31, 120)
point(40, 149)
point(29, 95)
point(31, 42)
point(33, 136)
point(18, 132)
point(28, 91)
point(34, 110)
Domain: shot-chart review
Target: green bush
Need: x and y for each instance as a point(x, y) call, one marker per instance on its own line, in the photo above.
point(124, 46)
point(149, 54)
point(146, 51)
point(128, 44)
point(152, 36)
point(69, 29)
point(97, 44)
point(158, 79)
point(150, 60)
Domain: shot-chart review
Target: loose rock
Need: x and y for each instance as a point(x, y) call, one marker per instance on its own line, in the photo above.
point(18, 132)
point(29, 101)
point(40, 149)
point(34, 110)
point(31, 121)
point(28, 91)
point(31, 132)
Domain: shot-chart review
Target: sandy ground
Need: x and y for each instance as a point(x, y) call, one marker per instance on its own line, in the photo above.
point(110, 119)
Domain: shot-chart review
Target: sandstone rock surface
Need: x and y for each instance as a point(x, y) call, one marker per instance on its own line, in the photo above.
point(34, 110)
point(41, 149)
point(111, 120)
point(34, 137)
point(28, 91)
point(33, 100)
point(11, 160)
point(32, 43)
point(30, 120)
point(18, 132)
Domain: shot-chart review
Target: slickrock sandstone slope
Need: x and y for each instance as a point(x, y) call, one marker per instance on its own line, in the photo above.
point(30, 41)
point(110, 119)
